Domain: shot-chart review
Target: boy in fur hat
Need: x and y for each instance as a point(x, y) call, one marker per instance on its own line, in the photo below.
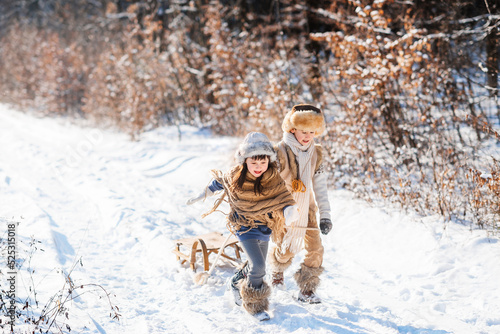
point(300, 161)
point(260, 207)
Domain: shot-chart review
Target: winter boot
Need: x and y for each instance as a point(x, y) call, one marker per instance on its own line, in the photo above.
point(262, 316)
point(308, 280)
point(278, 279)
point(278, 268)
point(255, 301)
point(309, 297)
point(239, 276)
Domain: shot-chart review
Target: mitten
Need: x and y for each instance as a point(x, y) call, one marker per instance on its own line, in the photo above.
point(291, 214)
point(325, 225)
point(204, 194)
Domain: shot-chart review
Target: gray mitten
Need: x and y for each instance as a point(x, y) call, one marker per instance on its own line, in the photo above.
point(201, 196)
point(325, 225)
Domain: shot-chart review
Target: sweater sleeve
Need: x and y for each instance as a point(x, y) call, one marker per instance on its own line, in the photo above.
point(320, 188)
point(215, 186)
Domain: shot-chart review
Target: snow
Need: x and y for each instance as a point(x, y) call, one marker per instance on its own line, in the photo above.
point(106, 210)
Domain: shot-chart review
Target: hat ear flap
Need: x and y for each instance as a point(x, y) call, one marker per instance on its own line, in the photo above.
point(287, 126)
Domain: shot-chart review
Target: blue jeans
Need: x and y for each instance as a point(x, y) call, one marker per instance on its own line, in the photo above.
point(256, 251)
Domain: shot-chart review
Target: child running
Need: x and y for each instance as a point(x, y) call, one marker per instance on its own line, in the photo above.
point(300, 162)
point(260, 207)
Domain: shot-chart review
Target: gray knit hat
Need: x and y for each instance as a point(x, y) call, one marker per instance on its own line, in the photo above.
point(255, 143)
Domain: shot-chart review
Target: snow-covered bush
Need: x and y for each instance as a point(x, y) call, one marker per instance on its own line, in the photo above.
point(406, 130)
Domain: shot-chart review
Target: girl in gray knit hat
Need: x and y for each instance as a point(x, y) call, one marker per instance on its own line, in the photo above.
point(260, 208)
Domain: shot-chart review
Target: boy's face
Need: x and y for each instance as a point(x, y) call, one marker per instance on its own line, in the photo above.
point(257, 167)
point(303, 137)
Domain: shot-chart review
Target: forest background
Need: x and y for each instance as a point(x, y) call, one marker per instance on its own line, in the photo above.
point(409, 87)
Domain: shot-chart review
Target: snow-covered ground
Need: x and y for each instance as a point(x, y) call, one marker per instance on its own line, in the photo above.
point(105, 210)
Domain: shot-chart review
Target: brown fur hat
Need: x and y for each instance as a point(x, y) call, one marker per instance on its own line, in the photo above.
point(304, 117)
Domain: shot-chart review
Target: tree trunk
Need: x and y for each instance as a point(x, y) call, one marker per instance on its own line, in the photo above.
point(492, 61)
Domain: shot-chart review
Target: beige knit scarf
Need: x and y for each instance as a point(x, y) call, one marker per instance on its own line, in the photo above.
point(253, 209)
point(294, 238)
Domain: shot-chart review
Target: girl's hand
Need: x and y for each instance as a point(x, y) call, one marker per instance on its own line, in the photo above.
point(201, 196)
point(291, 214)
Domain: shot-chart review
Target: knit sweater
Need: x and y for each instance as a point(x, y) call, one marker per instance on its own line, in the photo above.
point(319, 180)
point(261, 232)
point(249, 211)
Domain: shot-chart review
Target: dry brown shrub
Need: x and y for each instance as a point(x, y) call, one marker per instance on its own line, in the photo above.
point(484, 197)
point(137, 86)
point(401, 132)
point(51, 76)
point(252, 85)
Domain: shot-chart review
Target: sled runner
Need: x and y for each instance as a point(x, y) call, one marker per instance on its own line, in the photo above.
point(206, 244)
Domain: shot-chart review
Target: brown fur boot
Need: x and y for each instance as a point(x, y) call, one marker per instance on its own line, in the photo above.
point(254, 300)
point(308, 280)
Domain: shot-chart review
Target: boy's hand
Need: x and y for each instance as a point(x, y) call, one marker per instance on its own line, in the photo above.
point(325, 225)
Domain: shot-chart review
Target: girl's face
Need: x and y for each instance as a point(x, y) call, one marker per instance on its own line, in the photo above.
point(257, 167)
point(303, 137)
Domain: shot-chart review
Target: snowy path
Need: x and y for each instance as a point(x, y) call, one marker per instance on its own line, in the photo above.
point(118, 205)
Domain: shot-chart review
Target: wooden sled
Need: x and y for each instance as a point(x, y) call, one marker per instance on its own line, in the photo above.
point(206, 244)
